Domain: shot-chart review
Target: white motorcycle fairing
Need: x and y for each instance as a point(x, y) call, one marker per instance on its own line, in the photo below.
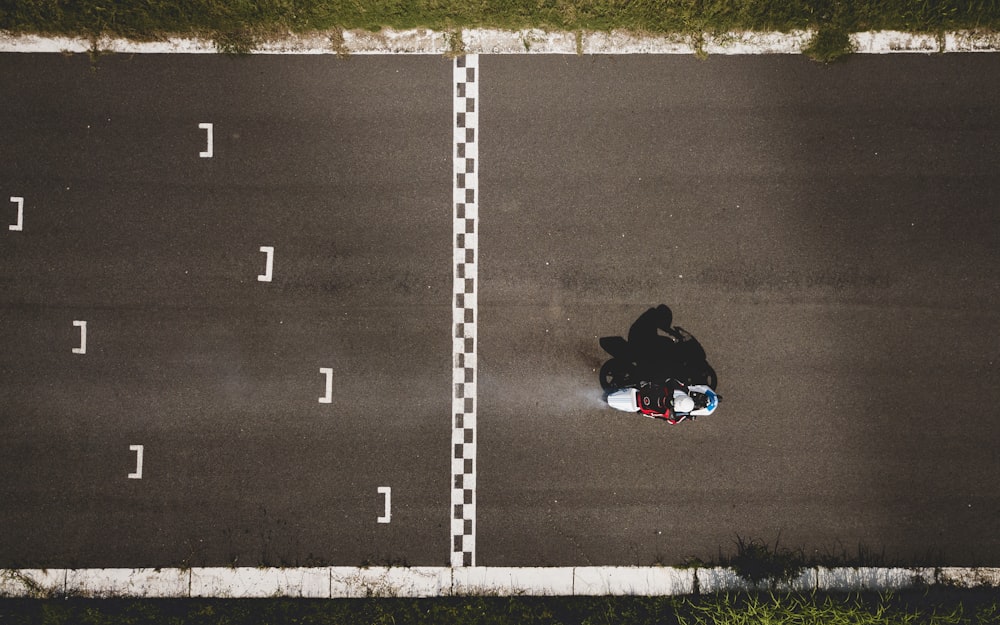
point(712, 397)
point(626, 400)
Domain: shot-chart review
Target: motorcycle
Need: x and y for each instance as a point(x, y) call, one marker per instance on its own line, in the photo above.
point(658, 401)
point(655, 351)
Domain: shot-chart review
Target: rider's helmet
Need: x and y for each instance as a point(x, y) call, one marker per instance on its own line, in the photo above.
point(683, 404)
point(700, 399)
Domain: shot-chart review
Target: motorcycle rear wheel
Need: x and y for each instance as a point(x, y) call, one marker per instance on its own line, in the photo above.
point(617, 374)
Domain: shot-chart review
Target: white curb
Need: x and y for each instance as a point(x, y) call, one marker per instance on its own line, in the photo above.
point(969, 577)
point(354, 582)
point(529, 41)
point(127, 583)
point(509, 581)
point(33, 582)
point(417, 581)
point(245, 582)
point(658, 581)
point(845, 579)
point(720, 579)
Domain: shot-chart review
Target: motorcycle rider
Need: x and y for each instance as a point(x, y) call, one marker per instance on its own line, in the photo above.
point(669, 402)
point(681, 408)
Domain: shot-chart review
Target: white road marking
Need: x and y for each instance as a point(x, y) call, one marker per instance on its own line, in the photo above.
point(208, 151)
point(387, 492)
point(17, 227)
point(138, 462)
point(269, 264)
point(328, 398)
point(465, 233)
point(83, 337)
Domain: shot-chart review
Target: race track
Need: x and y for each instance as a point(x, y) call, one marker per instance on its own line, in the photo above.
point(828, 233)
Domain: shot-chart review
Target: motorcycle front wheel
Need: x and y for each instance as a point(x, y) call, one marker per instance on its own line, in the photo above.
point(706, 375)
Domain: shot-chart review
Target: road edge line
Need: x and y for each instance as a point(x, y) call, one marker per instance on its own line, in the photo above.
point(357, 582)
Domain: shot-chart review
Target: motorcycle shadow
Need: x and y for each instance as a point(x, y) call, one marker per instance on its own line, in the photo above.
point(654, 352)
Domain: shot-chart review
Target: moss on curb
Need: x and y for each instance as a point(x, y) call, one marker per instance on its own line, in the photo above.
point(239, 27)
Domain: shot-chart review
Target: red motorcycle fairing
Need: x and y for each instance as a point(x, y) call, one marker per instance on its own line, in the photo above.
point(654, 401)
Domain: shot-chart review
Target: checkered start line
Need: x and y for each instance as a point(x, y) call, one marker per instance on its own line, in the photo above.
point(465, 227)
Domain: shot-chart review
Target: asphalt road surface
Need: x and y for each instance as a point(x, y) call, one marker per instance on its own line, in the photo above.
point(343, 169)
point(829, 234)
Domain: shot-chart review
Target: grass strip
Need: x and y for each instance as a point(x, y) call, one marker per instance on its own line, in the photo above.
point(242, 25)
point(933, 607)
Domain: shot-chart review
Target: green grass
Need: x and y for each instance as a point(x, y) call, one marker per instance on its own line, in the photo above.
point(828, 45)
point(756, 561)
point(242, 25)
point(883, 609)
point(942, 607)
